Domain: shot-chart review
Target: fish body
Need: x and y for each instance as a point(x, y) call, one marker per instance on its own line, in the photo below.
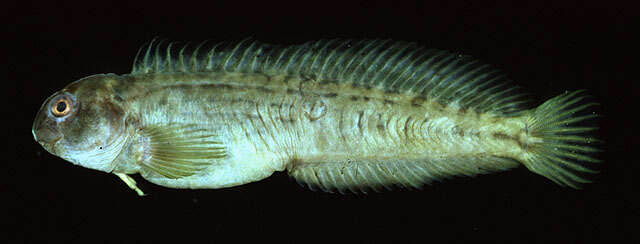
point(336, 115)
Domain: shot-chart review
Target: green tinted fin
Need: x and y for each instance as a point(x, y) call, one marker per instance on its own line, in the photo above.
point(177, 151)
point(566, 148)
point(366, 176)
point(393, 66)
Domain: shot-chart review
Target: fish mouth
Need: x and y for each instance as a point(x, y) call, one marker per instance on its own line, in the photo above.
point(50, 146)
point(46, 135)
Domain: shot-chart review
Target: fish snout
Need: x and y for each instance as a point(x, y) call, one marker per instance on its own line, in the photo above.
point(46, 136)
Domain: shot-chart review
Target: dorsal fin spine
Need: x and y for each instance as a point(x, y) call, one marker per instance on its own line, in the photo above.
point(349, 67)
point(303, 57)
point(470, 86)
point(241, 62)
point(455, 78)
point(136, 61)
point(253, 61)
point(157, 57)
point(210, 55)
point(346, 62)
point(168, 57)
point(381, 51)
point(295, 59)
point(326, 68)
point(290, 58)
point(372, 69)
point(392, 61)
point(381, 64)
point(427, 72)
point(446, 72)
point(277, 62)
point(330, 66)
point(412, 79)
point(267, 59)
point(193, 61)
point(431, 75)
point(396, 61)
point(407, 77)
point(229, 56)
point(319, 57)
point(479, 90)
point(183, 65)
point(480, 79)
point(402, 75)
point(147, 56)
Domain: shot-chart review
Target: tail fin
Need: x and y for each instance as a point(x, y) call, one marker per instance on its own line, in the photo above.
point(564, 149)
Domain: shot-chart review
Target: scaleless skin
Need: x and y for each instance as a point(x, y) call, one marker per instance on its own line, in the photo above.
point(325, 133)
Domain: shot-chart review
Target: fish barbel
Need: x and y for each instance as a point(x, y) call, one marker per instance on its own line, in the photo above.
point(337, 115)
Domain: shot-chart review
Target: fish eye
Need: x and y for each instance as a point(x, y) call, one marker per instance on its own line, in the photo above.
point(61, 107)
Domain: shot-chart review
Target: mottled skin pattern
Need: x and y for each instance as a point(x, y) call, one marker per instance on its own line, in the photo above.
point(271, 123)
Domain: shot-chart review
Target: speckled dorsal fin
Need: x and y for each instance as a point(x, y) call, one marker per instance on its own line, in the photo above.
point(363, 177)
point(177, 151)
point(380, 64)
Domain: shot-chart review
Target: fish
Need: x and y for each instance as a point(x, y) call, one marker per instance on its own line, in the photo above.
point(338, 115)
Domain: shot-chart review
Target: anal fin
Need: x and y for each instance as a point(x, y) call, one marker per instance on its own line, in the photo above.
point(363, 176)
point(176, 151)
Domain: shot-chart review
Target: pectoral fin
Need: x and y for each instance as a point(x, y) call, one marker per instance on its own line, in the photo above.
point(176, 151)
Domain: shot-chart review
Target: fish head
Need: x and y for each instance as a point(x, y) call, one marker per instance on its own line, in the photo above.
point(84, 123)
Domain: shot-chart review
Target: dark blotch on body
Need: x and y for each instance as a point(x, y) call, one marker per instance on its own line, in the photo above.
point(360, 115)
point(503, 136)
point(388, 102)
point(417, 102)
point(264, 89)
point(292, 91)
point(164, 100)
point(118, 98)
point(457, 130)
point(406, 126)
point(327, 82)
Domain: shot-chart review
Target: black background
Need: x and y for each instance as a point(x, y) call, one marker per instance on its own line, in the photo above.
point(546, 47)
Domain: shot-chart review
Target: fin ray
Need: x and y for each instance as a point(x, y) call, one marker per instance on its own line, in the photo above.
point(380, 64)
point(564, 152)
point(178, 151)
point(359, 177)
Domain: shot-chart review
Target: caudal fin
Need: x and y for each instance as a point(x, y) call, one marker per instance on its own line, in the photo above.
point(563, 148)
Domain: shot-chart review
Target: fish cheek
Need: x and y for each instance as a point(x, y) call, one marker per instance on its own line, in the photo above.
point(84, 131)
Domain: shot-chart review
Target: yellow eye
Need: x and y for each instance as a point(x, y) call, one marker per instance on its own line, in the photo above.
point(61, 107)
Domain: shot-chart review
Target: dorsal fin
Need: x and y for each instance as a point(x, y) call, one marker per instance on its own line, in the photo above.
point(393, 66)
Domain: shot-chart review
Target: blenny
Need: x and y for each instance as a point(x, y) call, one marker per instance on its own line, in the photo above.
point(337, 115)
